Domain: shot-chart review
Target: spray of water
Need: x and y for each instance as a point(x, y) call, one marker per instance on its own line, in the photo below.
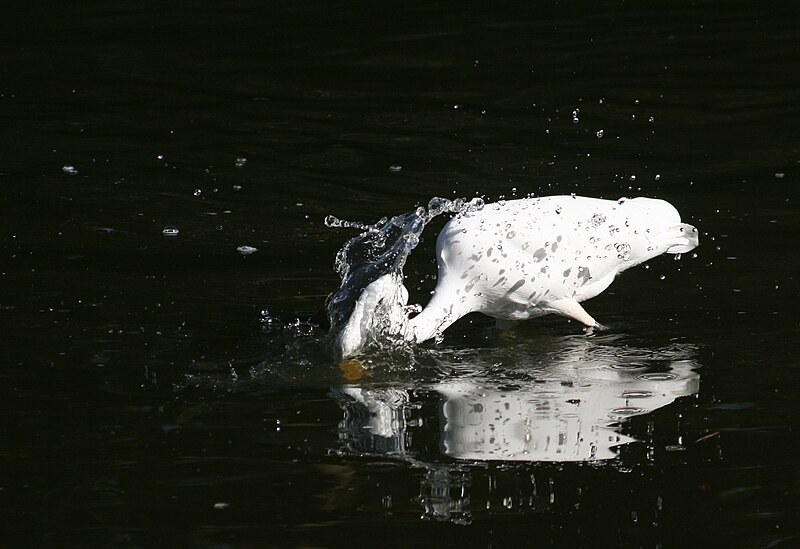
point(382, 249)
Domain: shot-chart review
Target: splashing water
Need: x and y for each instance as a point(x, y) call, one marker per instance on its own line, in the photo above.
point(382, 249)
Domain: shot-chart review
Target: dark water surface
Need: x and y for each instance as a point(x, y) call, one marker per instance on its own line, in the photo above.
point(170, 391)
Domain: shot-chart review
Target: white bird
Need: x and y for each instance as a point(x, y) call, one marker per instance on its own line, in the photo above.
point(521, 259)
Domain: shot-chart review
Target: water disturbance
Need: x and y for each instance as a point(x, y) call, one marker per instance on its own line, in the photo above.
point(382, 249)
point(167, 376)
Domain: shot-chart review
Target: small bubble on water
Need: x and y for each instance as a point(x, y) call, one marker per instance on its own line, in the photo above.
point(69, 170)
point(651, 119)
point(170, 231)
point(658, 176)
point(246, 250)
point(662, 277)
point(779, 175)
point(197, 192)
point(221, 505)
point(600, 134)
point(237, 187)
point(160, 157)
point(395, 168)
point(239, 162)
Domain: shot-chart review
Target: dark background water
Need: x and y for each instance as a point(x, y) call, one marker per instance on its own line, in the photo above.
point(172, 392)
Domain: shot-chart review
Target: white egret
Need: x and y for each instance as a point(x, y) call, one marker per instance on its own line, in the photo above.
point(520, 259)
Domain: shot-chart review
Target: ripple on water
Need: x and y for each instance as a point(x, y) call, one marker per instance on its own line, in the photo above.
point(628, 366)
point(626, 411)
point(637, 394)
point(657, 376)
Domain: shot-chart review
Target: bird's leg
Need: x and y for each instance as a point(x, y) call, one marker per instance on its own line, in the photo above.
point(570, 308)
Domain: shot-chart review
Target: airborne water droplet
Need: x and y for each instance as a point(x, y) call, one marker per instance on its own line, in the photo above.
point(246, 250)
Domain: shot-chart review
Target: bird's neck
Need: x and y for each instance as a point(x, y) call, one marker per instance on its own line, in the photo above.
point(440, 312)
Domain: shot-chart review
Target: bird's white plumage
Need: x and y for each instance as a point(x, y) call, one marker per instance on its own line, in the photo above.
point(520, 259)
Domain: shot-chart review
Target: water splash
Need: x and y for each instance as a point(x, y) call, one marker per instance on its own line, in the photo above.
point(382, 249)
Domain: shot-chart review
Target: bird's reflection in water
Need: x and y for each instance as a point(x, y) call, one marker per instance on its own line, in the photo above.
point(568, 406)
point(574, 417)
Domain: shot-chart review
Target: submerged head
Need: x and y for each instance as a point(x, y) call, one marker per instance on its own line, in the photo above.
point(379, 315)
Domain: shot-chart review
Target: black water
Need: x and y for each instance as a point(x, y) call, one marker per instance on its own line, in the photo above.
point(170, 391)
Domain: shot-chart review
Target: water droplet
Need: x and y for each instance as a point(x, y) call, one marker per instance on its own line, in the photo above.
point(623, 251)
point(170, 231)
point(658, 176)
point(69, 170)
point(662, 277)
point(240, 162)
point(246, 250)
